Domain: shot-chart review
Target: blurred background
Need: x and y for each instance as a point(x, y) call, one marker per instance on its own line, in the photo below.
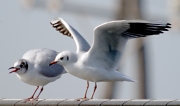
point(153, 61)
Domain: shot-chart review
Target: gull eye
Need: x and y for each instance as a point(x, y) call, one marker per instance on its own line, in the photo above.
point(67, 58)
point(61, 58)
point(21, 65)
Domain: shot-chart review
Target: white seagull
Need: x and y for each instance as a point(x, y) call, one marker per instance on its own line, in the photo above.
point(101, 61)
point(33, 69)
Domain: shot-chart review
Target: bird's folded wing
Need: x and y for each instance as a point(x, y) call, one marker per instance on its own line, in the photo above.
point(53, 71)
point(40, 59)
point(110, 39)
point(68, 30)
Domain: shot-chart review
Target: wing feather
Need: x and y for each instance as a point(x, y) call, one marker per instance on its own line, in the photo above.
point(110, 39)
point(66, 29)
point(40, 58)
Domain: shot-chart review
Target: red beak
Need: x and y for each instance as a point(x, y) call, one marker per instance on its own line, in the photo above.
point(15, 69)
point(53, 62)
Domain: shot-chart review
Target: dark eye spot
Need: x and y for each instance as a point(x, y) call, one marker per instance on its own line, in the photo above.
point(61, 58)
point(67, 58)
point(21, 65)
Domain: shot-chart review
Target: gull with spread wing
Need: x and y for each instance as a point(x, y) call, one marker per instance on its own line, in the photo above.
point(101, 61)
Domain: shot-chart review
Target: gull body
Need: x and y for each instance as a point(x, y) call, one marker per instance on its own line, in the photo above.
point(80, 66)
point(33, 69)
point(101, 61)
point(38, 73)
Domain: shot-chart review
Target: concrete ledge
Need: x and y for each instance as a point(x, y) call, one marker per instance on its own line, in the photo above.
point(94, 102)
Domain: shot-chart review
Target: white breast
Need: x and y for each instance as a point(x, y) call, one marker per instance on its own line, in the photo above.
point(32, 77)
point(85, 72)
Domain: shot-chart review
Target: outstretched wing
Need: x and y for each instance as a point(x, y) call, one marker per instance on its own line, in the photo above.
point(40, 58)
point(68, 30)
point(110, 39)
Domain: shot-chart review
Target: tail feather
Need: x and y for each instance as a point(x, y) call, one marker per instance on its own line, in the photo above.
point(121, 77)
point(126, 78)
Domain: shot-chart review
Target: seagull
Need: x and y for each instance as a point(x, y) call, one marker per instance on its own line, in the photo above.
point(33, 69)
point(100, 62)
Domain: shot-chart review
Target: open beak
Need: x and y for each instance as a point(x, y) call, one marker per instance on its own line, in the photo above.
point(15, 69)
point(53, 62)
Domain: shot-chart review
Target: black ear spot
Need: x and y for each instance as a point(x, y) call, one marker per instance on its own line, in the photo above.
point(67, 58)
point(61, 58)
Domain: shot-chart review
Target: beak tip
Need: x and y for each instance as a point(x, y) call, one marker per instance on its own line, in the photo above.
point(10, 68)
point(52, 63)
point(11, 72)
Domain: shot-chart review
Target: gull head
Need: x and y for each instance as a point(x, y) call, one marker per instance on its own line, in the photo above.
point(20, 67)
point(64, 58)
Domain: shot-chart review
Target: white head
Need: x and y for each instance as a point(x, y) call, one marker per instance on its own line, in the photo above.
point(64, 58)
point(20, 67)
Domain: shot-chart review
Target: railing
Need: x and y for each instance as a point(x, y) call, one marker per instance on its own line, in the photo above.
point(94, 102)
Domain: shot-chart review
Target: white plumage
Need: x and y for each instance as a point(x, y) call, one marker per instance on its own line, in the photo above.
point(100, 62)
point(33, 69)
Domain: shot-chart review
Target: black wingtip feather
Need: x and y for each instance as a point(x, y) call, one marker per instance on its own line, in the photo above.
point(168, 27)
point(168, 24)
point(145, 29)
point(58, 25)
